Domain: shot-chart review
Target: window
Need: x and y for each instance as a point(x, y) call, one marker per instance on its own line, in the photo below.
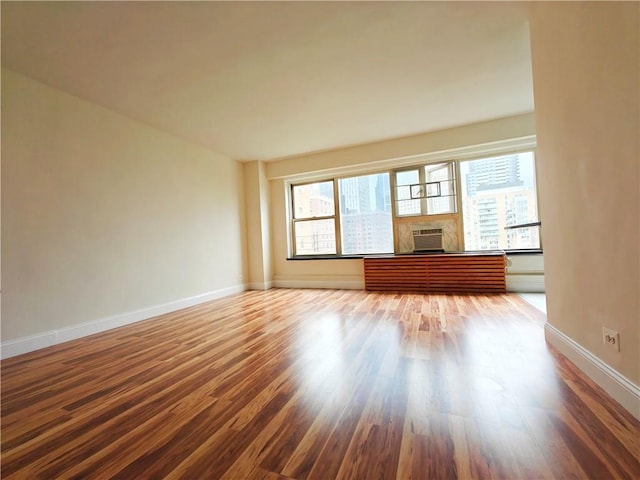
point(353, 215)
point(406, 203)
point(426, 190)
point(499, 192)
point(364, 217)
point(365, 214)
point(314, 229)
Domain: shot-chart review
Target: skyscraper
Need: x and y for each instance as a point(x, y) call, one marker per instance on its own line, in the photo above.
point(365, 214)
point(499, 193)
point(492, 173)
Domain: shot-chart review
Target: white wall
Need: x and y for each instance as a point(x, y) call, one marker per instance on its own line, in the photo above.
point(586, 73)
point(103, 216)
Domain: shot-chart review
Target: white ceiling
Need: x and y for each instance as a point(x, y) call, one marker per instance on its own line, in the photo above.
point(266, 80)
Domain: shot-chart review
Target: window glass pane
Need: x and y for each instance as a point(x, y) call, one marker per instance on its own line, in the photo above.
point(365, 214)
point(313, 200)
point(440, 188)
point(315, 237)
point(499, 192)
point(404, 204)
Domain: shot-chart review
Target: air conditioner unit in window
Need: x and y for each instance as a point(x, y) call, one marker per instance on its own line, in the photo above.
point(427, 240)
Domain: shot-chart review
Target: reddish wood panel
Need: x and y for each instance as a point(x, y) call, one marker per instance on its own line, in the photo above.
point(446, 273)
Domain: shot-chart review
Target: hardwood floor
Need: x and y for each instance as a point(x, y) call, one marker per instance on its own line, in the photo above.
point(315, 384)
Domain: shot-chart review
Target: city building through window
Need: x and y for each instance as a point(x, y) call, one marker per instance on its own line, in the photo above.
point(499, 192)
point(314, 219)
point(366, 225)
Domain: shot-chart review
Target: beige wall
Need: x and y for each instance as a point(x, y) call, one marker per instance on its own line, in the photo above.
point(102, 215)
point(460, 141)
point(586, 82)
point(257, 200)
point(472, 140)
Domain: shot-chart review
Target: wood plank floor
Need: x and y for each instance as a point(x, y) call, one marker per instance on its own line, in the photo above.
point(315, 384)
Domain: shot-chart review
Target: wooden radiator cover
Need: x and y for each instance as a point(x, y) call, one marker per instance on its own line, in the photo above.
point(443, 273)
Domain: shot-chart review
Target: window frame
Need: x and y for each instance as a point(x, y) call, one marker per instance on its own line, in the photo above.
point(333, 217)
point(454, 163)
point(453, 168)
point(337, 180)
point(489, 155)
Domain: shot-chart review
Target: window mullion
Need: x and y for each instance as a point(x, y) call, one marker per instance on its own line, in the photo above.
point(422, 179)
point(458, 200)
point(292, 228)
point(336, 218)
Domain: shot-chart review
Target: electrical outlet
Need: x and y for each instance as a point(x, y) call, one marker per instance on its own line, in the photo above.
point(611, 338)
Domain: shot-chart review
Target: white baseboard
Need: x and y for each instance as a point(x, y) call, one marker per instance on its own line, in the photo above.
point(260, 285)
point(515, 283)
point(621, 389)
point(11, 348)
point(348, 282)
point(525, 283)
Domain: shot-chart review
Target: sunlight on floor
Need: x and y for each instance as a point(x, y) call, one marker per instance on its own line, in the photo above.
point(538, 300)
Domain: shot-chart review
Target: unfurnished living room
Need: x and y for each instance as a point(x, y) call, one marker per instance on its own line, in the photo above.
point(320, 240)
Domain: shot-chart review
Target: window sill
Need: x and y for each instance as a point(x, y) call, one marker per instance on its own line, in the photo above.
point(327, 257)
point(533, 251)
